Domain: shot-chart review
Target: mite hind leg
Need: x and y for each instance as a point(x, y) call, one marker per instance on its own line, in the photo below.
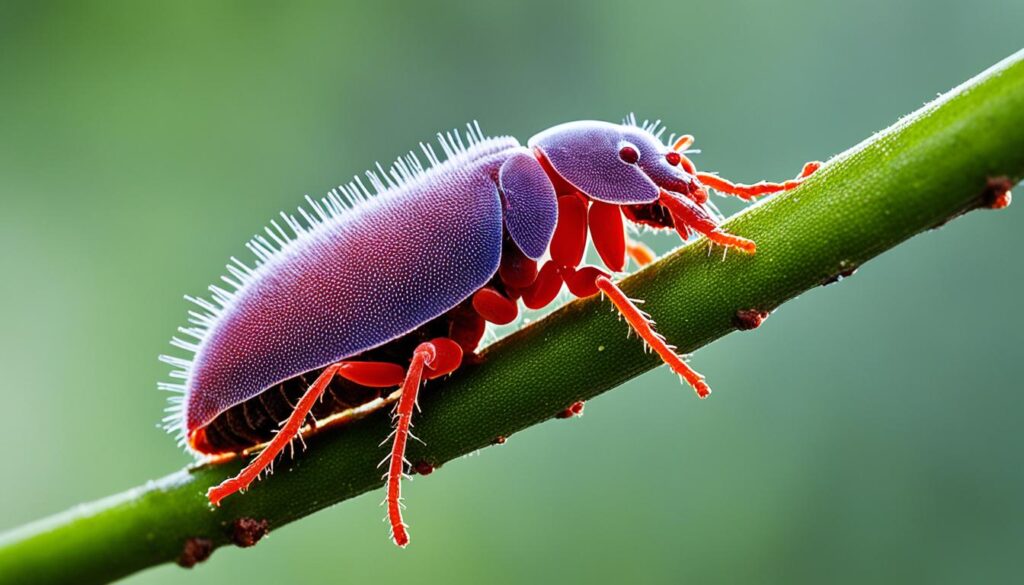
point(372, 374)
point(430, 360)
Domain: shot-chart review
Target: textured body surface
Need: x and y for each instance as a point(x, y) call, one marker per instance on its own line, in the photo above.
point(586, 154)
point(530, 206)
point(430, 261)
point(355, 279)
point(360, 274)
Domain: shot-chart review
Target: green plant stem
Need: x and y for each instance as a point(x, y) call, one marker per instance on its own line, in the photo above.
point(918, 174)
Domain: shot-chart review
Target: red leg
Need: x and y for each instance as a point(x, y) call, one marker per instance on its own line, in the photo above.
point(280, 441)
point(608, 234)
point(545, 288)
point(494, 306)
point(440, 356)
point(581, 282)
point(809, 169)
point(640, 253)
point(449, 358)
point(687, 164)
point(644, 327)
point(762, 188)
point(570, 238)
point(372, 374)
point(687, 214)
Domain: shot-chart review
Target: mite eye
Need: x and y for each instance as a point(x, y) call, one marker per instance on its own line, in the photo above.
point(628, 154)
point(673, 158)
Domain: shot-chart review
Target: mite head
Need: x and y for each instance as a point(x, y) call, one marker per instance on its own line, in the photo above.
point(614, 163)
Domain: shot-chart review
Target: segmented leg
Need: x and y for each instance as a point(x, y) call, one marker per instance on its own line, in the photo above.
point(589, 280)
point(374, 374)
point(545, 288)
point(570, 238)
point(279, 442)
point(687, 214)
point(581, 281)
point(640, 253)
point(494, 306)
point(749, 192)
point(438, 357)
point(568, 245)
point(809, 169)
point(608, 233)
point(644, 327)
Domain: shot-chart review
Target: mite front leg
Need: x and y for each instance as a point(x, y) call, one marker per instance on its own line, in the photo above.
point(429, 360)
point(687, 214)
point(749, 192)
point(590, 280)
point(644, 327)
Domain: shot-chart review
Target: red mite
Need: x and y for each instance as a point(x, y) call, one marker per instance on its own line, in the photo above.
point(375, 290)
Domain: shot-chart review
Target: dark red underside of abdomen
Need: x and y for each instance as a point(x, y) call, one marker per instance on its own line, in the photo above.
point(255, 421)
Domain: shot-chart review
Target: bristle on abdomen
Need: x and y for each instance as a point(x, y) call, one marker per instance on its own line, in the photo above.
point(255, 421)
point(285, 232)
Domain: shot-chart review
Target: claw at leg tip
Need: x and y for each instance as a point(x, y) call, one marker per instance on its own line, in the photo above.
point(701, 388)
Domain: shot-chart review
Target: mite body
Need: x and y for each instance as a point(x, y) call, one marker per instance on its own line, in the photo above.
point(370, 295)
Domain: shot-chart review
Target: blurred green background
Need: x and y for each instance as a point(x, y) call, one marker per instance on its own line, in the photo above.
point(870, 431)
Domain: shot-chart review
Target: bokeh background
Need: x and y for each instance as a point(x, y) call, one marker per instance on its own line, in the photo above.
point(870, 431)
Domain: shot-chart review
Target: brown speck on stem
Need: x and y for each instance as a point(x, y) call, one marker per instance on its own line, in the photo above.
point(246, 532)
point(195, 551)
point(575, 409)
point(747, 319)
point(997, 193)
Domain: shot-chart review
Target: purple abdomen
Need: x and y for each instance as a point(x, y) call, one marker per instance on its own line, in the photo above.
point(355, 280)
